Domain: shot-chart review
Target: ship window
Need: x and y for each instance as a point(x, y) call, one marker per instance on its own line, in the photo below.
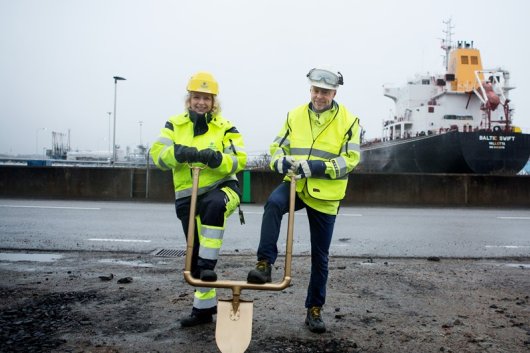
point(474, 60)
point(425, 82)
point(458, 117)
point(431, 109)
point(465, 59)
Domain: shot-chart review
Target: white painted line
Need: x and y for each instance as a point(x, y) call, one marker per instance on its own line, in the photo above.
point(37, 257)
point(261, 212)
point(518, 265)
point(508, 246)
point(340, 214)
point(53, 207)
point(126, 263)
point(513, 218)
point(121, 240)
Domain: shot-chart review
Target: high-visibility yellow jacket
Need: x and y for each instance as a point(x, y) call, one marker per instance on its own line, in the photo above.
point(336, 142)
point(221, 136)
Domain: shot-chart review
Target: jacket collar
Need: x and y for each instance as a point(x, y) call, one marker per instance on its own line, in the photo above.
point(184, 118)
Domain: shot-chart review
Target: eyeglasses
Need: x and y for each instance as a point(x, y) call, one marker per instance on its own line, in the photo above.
point(328, 77)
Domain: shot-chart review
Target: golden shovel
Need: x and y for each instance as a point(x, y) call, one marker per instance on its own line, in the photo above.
point(233, 330)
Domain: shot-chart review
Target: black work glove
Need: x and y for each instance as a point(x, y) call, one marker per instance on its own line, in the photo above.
point(185, 154)
point(285, 165)
point(210, 157)
point(306, 169)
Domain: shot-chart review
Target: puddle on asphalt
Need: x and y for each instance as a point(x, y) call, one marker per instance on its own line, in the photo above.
point(126, 263)
point(518, 265)
point(36, 257)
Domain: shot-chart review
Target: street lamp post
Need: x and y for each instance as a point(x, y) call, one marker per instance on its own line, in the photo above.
point(116, 79)
point(37, 139)
point(109, 113)
point(140, 122)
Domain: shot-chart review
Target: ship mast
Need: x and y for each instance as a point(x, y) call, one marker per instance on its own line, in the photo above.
point(447, 42)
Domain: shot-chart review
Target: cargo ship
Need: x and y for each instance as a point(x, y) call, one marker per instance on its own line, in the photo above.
point(456, 122)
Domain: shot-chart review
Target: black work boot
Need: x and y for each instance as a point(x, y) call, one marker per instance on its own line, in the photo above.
point(208, 276)
point(194, 320)
point(314, 320)
point(261, 274)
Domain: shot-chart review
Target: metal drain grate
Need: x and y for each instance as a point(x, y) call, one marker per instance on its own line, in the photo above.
point(170, 253)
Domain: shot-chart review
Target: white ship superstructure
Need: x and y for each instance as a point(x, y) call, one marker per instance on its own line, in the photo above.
point(456, 122)
point(474, 100)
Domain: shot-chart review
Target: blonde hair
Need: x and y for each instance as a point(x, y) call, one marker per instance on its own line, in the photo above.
point(216, 106)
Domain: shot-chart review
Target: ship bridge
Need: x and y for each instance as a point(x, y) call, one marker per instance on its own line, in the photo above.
point(463, 63)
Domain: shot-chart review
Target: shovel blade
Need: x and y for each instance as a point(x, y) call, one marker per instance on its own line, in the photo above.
point(233, 331)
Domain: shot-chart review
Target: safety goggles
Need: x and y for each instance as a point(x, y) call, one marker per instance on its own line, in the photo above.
point(319, 75)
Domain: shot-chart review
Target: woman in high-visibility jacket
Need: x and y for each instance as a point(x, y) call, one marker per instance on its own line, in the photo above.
point(318, 145)
point(202, 135)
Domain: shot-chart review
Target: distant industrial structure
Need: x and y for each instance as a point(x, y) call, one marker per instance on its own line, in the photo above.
point(60, 147)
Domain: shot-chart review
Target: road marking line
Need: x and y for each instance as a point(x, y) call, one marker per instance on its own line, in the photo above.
point(121, 240)
point(513, 217)
point(508, 246)
point(53, 207)
point(340, 214)
point(518, 265)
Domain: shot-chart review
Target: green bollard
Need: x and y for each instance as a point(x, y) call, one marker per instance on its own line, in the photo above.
point(246, 187)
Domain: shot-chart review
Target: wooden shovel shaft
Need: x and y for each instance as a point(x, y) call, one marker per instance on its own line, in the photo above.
point(237, 286)
point(191, 223)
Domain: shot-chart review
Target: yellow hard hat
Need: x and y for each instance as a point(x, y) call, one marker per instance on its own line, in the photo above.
point(203, 82)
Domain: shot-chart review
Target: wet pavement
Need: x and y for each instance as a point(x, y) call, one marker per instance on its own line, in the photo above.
point(55, 225)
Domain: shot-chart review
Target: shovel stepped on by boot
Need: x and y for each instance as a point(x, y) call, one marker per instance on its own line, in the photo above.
point(233, 330)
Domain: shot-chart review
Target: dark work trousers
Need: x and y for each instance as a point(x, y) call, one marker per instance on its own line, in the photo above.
point(321, 230)
point(211, 208)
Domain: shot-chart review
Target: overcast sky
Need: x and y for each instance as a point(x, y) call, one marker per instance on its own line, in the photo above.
point(58, 58)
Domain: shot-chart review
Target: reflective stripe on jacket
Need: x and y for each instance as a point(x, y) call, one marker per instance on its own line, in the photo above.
point(221, 136)
point(337, 143)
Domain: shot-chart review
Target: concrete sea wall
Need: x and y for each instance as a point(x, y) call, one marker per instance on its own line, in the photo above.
point(107, 183)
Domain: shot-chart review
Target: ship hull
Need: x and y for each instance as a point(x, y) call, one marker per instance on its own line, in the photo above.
point(452, 152)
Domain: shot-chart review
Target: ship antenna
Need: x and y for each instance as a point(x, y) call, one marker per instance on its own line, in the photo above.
point(447, 42)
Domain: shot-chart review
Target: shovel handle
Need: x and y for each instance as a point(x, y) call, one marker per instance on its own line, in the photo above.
point(290, 228)
point(191, 223)
point(237, 286)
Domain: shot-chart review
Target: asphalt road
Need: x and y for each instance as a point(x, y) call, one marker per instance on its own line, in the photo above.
point(58, 225)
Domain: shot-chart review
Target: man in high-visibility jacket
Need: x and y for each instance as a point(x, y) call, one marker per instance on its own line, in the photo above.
point(319, 146)
point(201, 135)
